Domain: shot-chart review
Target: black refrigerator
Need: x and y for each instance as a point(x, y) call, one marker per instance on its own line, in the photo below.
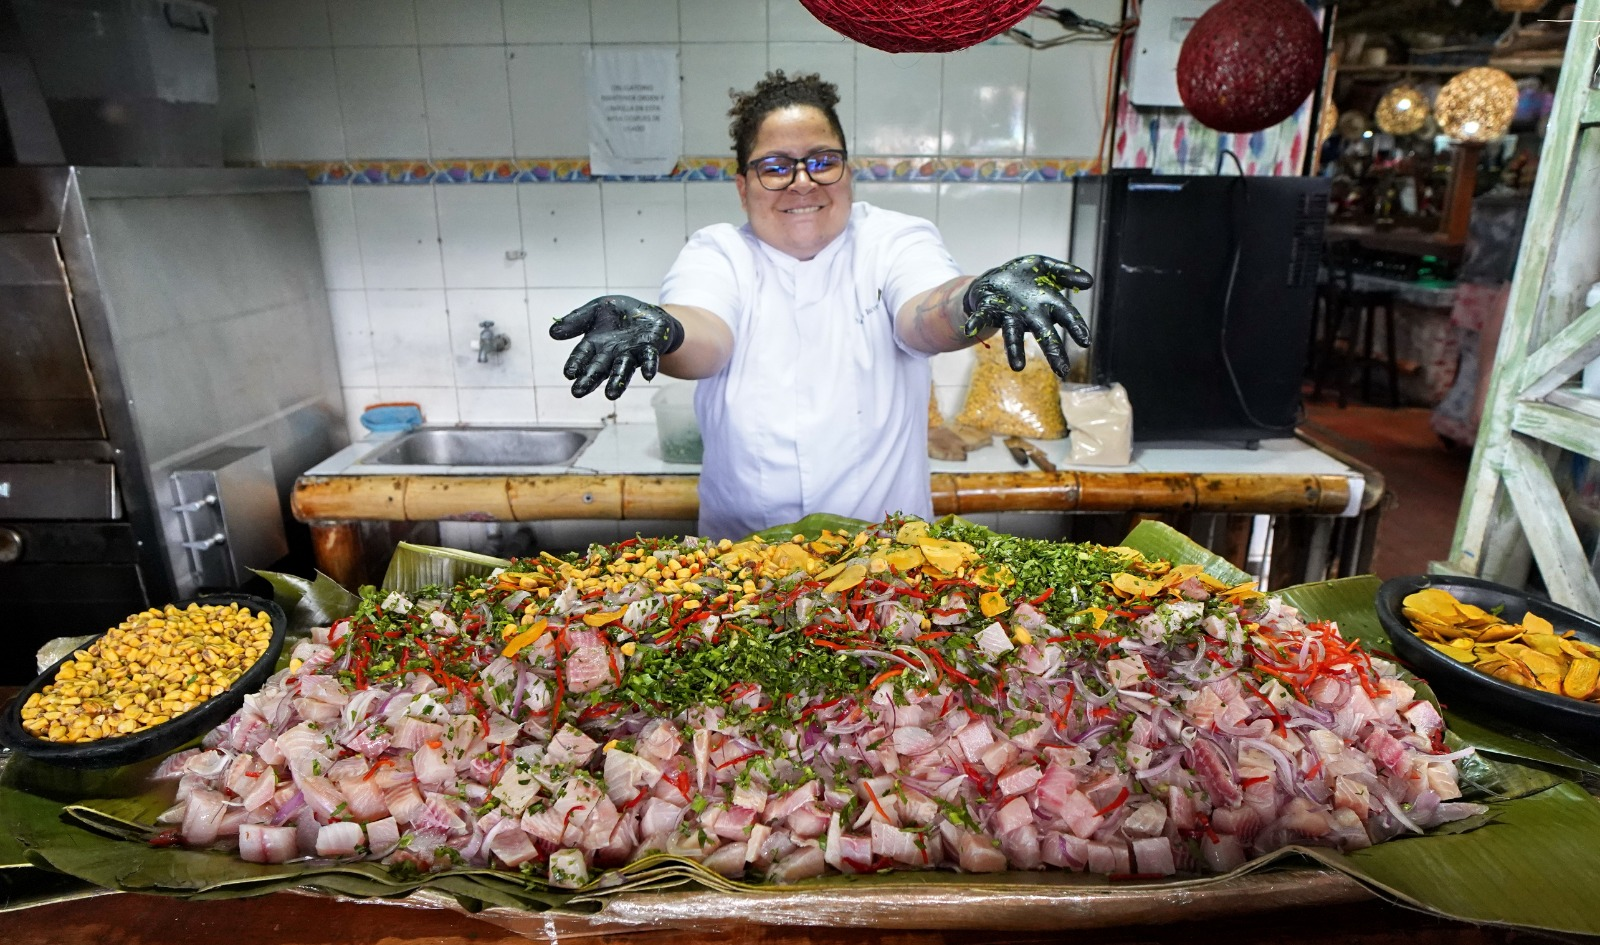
point(1203, 297)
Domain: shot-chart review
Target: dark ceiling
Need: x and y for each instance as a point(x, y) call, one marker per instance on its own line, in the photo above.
point(1466, 18)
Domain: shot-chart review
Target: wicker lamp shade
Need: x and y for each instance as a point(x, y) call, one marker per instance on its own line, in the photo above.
point(1477, 105)
point(1403, 110)
point(920, 25)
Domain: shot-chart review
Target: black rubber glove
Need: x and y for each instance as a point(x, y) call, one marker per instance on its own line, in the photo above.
point(1029, 293)
point(619, 334)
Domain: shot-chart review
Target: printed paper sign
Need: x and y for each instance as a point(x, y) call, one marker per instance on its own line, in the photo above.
point(635, 122)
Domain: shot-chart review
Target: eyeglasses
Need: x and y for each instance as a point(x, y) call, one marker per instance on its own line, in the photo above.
point(777, 172)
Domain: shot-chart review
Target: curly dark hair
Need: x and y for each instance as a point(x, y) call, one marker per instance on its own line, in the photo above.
point(773, 92)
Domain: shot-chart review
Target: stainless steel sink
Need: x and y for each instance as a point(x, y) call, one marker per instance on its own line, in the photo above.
point(483, 446)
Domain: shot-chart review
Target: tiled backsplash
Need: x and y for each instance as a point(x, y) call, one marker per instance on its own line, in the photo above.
point(413, 269)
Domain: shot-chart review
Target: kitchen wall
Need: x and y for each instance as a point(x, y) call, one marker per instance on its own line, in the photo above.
point(447, 141)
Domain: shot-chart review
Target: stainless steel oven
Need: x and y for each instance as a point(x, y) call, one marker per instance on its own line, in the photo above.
point(166, 370)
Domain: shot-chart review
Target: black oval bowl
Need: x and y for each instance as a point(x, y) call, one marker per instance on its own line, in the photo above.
point(1532, 707)
point(139, 746)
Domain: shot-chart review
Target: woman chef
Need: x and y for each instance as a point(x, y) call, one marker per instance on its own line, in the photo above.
point(810, 328)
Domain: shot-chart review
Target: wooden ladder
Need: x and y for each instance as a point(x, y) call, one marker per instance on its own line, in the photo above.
point(1514, 514)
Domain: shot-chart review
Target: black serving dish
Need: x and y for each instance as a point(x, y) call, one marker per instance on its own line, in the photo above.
point(1534, 708)
point(140, 746)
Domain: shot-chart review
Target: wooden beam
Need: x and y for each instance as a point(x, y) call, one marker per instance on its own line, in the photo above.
point(1567, 429)
point(1575, 401)
point(1558, 359)
point(1485, 508)
point(1554, 541)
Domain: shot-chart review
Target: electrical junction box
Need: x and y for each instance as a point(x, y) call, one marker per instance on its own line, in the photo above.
point(1153, 74)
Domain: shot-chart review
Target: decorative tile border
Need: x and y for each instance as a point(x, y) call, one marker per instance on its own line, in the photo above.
point(906, 170)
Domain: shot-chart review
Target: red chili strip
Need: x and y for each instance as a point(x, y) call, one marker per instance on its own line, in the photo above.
point(1122, 797)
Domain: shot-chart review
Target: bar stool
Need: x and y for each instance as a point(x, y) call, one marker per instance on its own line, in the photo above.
point(1347, 307)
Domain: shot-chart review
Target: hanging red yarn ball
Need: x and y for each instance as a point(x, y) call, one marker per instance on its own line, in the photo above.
point(920, 25)
point(1248, 64)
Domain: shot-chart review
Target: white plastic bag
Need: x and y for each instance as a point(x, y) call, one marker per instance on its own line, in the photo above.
point(1101, 423)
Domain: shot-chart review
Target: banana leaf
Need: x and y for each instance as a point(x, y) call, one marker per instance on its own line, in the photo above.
point(414, 567)
point(309, 603)
point(812, 525)
point(1525, 864)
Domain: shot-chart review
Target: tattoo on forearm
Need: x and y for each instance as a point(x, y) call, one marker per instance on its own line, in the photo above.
point(939, 322)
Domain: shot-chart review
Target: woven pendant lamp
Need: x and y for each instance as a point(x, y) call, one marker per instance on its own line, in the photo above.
point(1403, 110)
point(920, 25)
point(1477, 105)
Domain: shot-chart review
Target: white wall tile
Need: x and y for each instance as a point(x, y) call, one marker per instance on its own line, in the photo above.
point(547, 21)
point(788, 21)
point(708, 203)
point(545, 306)
point(274, 23)
point(449, 22)
point(722, 21)
point(439, 404)
point(469, 101)
point(980, 223)
point(835, 62)
point(1046, 220)
point(399, 232)
point(547, 101)
point(372, 22)
point(356, 400)
point(352, 338)
point(635, 21)
point(644, 293)
point(563, 235)
point(557, 405)
point(229, 24)
point(479, 228)
point(297, 104)
point(644, 229)
point(897, 110)
point(634, 404)
point(498, 405)
point(410, 338)
point(919, 200)
point(236, 107)
point(985, 91)
point(508, 309)
point(380, 93)
point(710, 71)
point(1066, 100)
point(335, 217)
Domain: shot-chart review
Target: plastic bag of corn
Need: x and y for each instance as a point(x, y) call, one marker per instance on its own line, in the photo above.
point(1014, 403)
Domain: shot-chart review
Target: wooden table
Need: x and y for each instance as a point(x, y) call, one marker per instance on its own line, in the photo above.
point(354, 518)
point(289, 919)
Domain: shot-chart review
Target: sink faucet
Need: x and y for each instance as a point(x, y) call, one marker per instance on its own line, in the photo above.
point(490, 342)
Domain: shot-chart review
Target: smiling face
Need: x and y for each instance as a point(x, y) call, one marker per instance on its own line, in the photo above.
point(806, 216)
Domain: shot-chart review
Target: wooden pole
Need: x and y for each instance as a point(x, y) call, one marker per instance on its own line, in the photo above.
point(1463, 181)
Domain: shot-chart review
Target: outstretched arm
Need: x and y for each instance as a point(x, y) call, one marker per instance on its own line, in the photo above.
point(622, 334)
point(1028, 295)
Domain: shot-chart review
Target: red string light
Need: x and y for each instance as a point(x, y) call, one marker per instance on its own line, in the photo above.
point(920, 25)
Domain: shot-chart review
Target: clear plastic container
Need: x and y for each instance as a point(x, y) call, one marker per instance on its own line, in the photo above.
point(677, 430)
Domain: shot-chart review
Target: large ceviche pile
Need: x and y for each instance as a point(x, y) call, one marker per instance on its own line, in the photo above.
point(907, 697)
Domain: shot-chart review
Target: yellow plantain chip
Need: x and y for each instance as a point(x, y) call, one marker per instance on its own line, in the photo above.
point(1546, 669)
point(1583, 676)
point(1500, 633)
point(1100, 616)
point(1454, 652)
point(1533, 623)
point(904, 559)
point(1131, 585)
point(910, 532)
point(1433, 602)
point(877, 564)
point(850, 577)
point(1547, 643)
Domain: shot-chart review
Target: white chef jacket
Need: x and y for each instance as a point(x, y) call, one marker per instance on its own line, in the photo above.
point(821, 407)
